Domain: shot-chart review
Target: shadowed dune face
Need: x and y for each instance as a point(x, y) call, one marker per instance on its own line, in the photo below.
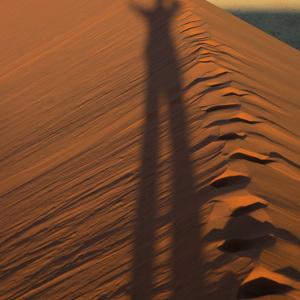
point(281, 25)
point(262, 287)
point(276, 17)
point(148, 153)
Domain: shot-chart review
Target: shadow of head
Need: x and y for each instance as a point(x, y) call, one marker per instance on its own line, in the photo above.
point(159, 6)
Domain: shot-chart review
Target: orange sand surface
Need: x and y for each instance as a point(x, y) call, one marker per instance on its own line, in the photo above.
point(147, 152)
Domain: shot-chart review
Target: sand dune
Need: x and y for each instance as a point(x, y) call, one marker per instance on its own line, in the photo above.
point(147, 153)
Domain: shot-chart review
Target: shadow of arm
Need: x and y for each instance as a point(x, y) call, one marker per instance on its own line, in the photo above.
point(134, 6)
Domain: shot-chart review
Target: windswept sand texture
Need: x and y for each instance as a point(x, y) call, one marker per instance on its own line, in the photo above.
point(147, 153)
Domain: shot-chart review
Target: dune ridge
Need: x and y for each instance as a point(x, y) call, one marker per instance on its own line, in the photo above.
point(231, 178)
point(219, 169)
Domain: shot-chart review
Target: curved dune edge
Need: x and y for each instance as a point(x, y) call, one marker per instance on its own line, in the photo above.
point(195, 197)
point(261, 283)
point(228, 211)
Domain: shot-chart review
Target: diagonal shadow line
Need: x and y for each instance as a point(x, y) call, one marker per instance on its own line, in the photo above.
point(164, 78)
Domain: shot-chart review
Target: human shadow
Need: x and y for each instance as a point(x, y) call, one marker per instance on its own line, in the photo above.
point(164, 78)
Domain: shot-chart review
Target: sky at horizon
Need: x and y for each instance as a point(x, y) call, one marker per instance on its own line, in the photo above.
point(258, 5)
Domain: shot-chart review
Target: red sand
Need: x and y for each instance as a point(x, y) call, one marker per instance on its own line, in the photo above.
point(147, 153)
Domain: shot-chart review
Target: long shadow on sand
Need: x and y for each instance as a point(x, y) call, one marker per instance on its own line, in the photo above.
point(164, 78)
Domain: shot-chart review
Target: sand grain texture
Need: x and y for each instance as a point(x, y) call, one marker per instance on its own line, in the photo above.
point(147, 153)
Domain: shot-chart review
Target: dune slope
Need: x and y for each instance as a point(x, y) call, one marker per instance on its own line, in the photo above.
point(147, 153)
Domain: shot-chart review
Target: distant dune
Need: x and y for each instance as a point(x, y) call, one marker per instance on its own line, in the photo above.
point(258, 5)
point(279, 18)
point(148, 152)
